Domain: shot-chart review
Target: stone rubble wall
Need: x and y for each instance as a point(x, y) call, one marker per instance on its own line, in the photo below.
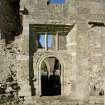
point(84, 59)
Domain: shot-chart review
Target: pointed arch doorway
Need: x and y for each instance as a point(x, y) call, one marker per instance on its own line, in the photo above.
point(51, 77)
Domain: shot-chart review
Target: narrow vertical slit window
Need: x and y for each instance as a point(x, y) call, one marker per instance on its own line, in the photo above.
point(50, 41)
point(62, 42)
point(41, 40)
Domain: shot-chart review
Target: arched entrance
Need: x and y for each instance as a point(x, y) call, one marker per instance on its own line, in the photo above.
point(50, 75)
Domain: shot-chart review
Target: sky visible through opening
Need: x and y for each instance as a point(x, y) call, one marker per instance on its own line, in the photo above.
point(57, 1)
point(42, 40)
point(42, 37)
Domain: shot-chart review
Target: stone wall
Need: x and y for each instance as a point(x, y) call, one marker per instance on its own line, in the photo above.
point(84, 56)
point(83, 60)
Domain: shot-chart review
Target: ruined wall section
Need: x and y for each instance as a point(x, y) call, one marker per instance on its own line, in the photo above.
point(8, 60)
point(3, 62)
point(43, 13)
point(89, 46)
point(96, 70)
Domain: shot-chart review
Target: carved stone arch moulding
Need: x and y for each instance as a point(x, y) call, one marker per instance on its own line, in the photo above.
point(37, 66)
point(39, 58)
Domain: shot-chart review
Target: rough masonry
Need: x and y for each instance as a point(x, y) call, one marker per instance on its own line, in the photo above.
point(78, 33)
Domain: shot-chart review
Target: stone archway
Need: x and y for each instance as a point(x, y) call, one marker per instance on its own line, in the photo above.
point(39, 64)
point(50, 77)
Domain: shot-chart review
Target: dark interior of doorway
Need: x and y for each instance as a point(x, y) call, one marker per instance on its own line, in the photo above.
point(50, 79)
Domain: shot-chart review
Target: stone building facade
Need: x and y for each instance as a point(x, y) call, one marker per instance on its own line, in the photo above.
point(78, 34)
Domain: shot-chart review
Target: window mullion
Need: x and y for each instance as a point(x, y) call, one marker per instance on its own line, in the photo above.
point(46, 41)
point(57, 41)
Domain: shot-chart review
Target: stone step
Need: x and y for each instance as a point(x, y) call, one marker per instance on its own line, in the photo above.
point(97, 99)
point(53, 100)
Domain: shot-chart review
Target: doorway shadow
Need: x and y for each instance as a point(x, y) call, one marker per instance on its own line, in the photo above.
point(50, 77)
point(50, 86)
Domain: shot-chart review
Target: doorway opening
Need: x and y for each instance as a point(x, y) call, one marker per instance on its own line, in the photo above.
point(50, 77)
